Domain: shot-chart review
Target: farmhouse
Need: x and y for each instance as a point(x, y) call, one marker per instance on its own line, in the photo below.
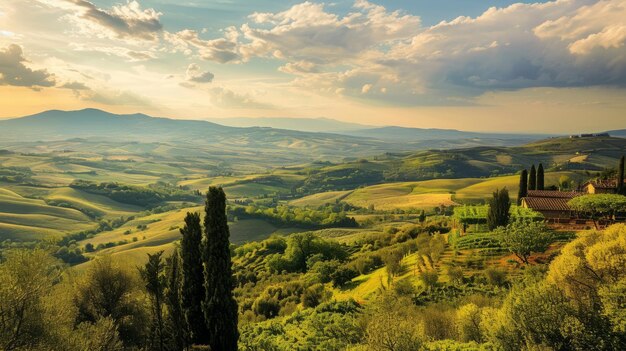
point(551, 204)
point(607, 186)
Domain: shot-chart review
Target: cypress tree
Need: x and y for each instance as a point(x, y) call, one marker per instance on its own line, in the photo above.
point(532, 179)
point(523, 186)
point(192, 292)
point(153, 275)
point(620, 177)
point(499, 207)
point(220, 307)
point(540, 178)
point(176, 318)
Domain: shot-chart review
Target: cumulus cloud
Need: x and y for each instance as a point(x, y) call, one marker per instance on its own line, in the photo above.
point(125, 21)
point(13, 70)
point(196, 75)
point(220, 50)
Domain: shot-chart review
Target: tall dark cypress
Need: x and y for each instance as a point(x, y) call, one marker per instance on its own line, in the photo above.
point(220, 307)
point(523, 186)
point(193, 292)
point(540, 178)
point(153, 275)
point(176, 317)
point(532, 179)
point(620, 178)
point(498, 214)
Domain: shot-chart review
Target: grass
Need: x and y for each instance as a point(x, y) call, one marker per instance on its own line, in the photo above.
point(320, 199)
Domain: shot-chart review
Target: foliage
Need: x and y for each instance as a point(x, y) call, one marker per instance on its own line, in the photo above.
point(597, 206)
point(289, 216)
point(331, 326)
point(151, 196)
point(478, 214)
point(499, 206)
point(523, 237)
point(192, 286)
point(219, 305)
point(108, 291)
point(302, 246)
point(392, 326)
point(26, 277)
point(540, 177)
point(523, 186)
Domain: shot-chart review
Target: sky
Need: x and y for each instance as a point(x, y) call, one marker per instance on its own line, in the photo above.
point(489, 65)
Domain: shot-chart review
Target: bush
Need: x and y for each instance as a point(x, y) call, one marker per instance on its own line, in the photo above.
point(314, 295)
point(495, 277)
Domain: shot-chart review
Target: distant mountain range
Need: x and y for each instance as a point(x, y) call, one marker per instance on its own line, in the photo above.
point(309, 138)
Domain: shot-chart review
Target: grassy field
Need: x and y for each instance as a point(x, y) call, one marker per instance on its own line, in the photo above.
point(320, 199)
point(28, 219)
point(425, 194)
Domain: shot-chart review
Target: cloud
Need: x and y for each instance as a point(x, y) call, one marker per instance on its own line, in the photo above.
point(117, 98)
point(127, 54)
point(299, 67)
point(196, 75)
point(226, 98)
point(14, 72)
point(125, 21)
point(220, 50)
point(74, 86)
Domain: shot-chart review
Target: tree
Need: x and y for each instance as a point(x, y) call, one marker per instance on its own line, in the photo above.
point(108, 291)
point(532, 179)
point(540, 178)
point(153, 275)
point(26, 277)
point(173, 301)
point(219, 306)
point(393, 325)
point(192, 289)
point(422, 216)
point(599, 206)
point(499, 206)
point(523, 237)
point(523, 186)
point(620, 177)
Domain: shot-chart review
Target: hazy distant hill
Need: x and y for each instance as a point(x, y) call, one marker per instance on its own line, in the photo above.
point(404, 133)
point(443, 138)
point(301, 124)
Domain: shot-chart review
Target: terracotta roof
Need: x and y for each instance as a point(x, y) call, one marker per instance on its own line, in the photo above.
point(604, 184)
point(547, 203)
point(553, 194)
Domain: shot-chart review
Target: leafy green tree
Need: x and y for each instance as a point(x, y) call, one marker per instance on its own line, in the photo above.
point(532, 178)
point(154, 277)
point(523, 237)
point(499, 206)
point(393, 325)
point(523, 186)
point(468, 319)
point(192, 289)
point(599, 206)
point(219, 306)
point(540, 178)
point(26, 277)
point(108, 291)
